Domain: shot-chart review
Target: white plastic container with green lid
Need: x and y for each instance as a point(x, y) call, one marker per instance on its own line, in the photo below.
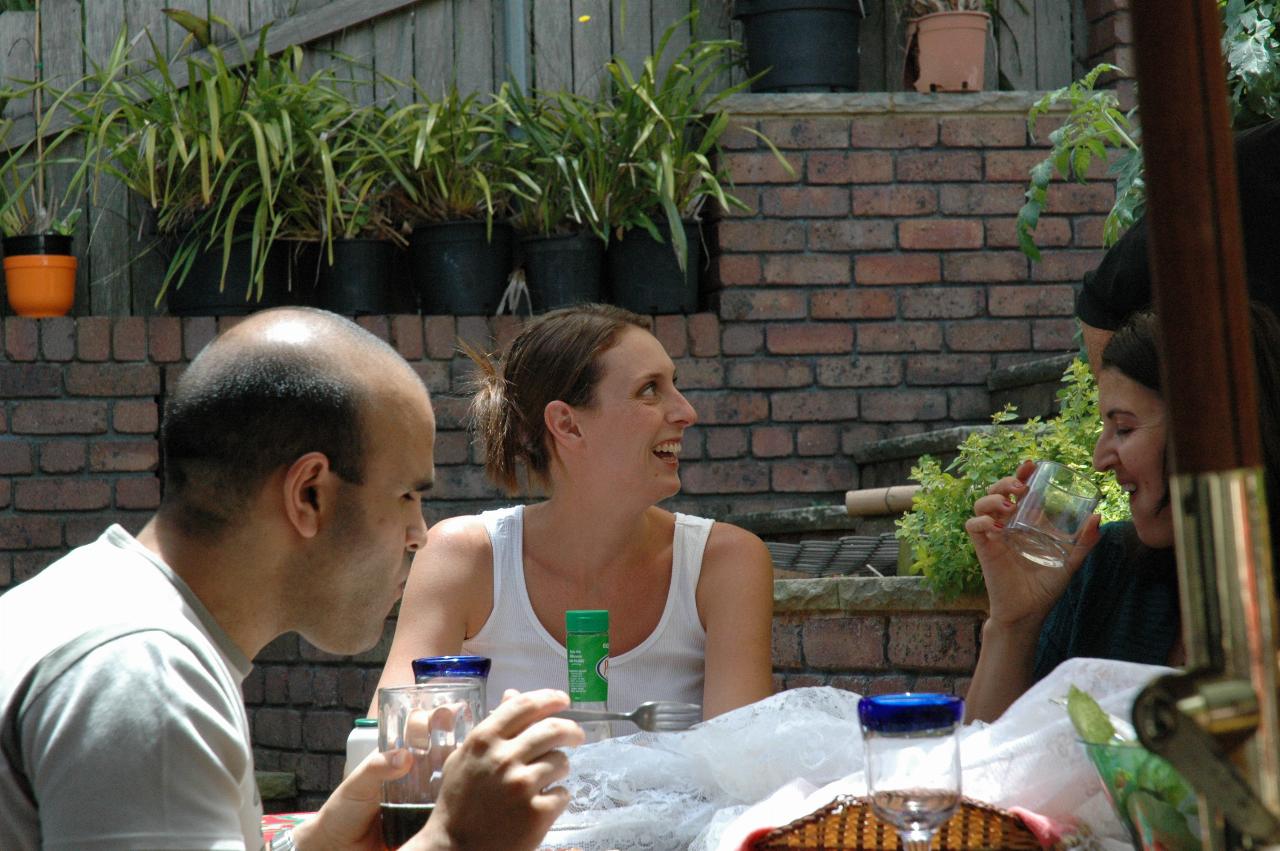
point(362, 741)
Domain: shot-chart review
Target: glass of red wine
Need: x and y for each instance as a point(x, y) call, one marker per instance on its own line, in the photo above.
point(913, 761)
point(429, 720)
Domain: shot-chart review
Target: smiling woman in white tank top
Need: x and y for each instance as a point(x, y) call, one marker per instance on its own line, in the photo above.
point(585, 403)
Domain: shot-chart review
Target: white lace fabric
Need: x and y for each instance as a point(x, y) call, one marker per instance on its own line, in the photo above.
point(776, 760)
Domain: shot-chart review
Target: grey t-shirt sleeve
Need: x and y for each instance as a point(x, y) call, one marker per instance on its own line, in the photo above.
point(137, 746)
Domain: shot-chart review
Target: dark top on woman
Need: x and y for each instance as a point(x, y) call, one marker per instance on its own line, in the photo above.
point(1121, 604)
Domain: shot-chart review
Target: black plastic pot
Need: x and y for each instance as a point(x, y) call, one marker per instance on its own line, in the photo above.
point(562, 271)
point(199, 294)
point(458, 270)
point(806, 45)
point(36, 243)
point(358, 283)
point(644, 276)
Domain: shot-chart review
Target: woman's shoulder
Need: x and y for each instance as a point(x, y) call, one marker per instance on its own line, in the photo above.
point(727, 542)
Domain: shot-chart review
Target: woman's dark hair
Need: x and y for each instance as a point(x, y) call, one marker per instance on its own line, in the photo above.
point(555, 357)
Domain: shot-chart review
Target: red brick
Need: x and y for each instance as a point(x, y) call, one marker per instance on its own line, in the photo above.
point(278, 728)
point(943, 303)
point(940, 233)
point(451, 412)
point(748, 206)
point(164, 337)
point(911, 405)
point(475, 331)
point(505, 329)
point(933, 642)
point(742, 339)
point(807, 133)
point(853, 303)
point(1065, 265)
point(93, 338)
point(809, 338)
point(1050, 232)
point(21, 338)
point(62, 456)
point(378, 326)
point(60, 417)
point(850, 167)
point(947, 369)
point(737, 137)
point(673, 333)
point(406, 336)
point(61, 495)
point(843, 642)
point(895, 131)
point(935, 166)
point(860, 371)
point(726, 442)
point(786, 644)
point(739, 269)
point(968, 403)
point(1087, 232)
point(804, 681)
point(129, 338)
point(761, 236)
point(894, 200)
point(15, 457)
point(851, 235)
point(6, 497)
point(996, 335)
point(981, 199)
point(1056, 335)
point(440, 336)
point(806, 269)
point(771, 442)
point(1012, 166)
point(124, 456)
point(818, 440)
point(899, 337)
point(1080, 198)
point(770, 373)
point(805, 202)
point(197, 332)
point(30, 380)
point(985, 266)
point(983, 131)
point(813, 475)
point(29, 533)
point(58, 338)
point(700, 373)
point(740, 304)
point(1109, 32)
point(760, 167)
point(704, 335)
point(462, 483)
point(135, 417)
point(807, 406)
point(897, 269)
point(724, 477)
point(92, 379)
point(723, 407)
point(138, 492)
point(1031, 301)
point(452, 447)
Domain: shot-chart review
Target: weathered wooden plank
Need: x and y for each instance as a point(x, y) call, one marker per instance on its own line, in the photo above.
point(591, 32)
point(237, 14)
point(1016, 35)
point(433, 46)
point(872, 58)
point(664, 13)
point(393, 60)
point(473, 45)
point(173, 39)
point(633, 37)
point(17, 57)
point(1079, 40)
point(1053, 44)
point(553, 44)
point(516, 54)
point(713, 23)
point(894, 50)
point(354, 62)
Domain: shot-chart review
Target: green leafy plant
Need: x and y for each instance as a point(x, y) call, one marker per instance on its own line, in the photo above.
point(933, 530)
point(28, 204)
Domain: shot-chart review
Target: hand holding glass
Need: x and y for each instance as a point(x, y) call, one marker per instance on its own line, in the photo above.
point(913, 761)
point(429, 720)
point(1050, 515)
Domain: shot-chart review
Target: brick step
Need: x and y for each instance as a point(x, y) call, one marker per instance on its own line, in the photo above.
point(1032, 386)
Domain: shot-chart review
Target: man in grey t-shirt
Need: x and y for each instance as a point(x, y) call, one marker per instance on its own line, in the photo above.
point(297, 448)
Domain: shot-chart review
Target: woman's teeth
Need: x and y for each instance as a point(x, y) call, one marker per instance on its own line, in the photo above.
point(671, 447)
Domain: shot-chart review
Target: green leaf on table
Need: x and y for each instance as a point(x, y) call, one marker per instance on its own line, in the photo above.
point(1089, 719)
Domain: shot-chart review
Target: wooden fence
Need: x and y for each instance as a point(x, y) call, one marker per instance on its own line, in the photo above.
point(439, 42)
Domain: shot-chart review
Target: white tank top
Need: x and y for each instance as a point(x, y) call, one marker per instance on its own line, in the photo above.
point(667, 665)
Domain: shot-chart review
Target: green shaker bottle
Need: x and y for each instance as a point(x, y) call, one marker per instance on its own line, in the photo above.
point(587, 649)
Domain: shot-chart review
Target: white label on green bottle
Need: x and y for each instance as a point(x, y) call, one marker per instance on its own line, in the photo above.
point(588, 666)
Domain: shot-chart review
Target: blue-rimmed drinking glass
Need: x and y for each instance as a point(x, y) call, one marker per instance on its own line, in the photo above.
point(438, 668)
point(913, 761)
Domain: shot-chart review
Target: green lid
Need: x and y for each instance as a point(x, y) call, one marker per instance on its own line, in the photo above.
point(586, 620)
point(366, 722)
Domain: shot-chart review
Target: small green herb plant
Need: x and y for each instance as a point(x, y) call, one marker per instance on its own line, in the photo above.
point(933, 531)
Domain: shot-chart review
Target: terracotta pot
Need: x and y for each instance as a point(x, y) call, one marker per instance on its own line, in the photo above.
point(952, 50)
point(39, 285)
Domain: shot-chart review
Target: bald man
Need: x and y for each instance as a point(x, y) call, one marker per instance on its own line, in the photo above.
point(297, 449)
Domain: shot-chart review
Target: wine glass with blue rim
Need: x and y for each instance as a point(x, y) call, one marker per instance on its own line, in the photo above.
point(913, 761)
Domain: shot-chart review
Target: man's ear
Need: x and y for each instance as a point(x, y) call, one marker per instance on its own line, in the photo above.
point(310, 490)
point(561, 422)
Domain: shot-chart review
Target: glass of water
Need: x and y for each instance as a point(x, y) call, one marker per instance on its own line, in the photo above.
point(1050, 515)
point(913, 761)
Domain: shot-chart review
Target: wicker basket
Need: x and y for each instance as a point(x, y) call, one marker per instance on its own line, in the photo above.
point(847, 823)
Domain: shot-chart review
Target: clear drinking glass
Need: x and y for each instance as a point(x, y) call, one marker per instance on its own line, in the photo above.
point(913, 761)
point(429, 720)
point(1049, 517)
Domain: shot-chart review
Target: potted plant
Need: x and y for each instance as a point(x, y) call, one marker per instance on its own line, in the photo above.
point(801, 45)
point(449, 158)
point(949, 38)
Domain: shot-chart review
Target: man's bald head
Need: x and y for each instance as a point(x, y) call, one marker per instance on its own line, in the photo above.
point(277, 386)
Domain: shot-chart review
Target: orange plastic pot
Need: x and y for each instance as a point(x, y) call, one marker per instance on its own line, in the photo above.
point(40, 285)
point(952, 50)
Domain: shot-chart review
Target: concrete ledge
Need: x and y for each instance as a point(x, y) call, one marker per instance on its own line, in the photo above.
point(1030, 372)
point(880, 103)
point(816, 518)
point(863, 594)
point(915, 445)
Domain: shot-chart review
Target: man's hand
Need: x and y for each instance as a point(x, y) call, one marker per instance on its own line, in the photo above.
point(495, 793)
point(349, 819)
